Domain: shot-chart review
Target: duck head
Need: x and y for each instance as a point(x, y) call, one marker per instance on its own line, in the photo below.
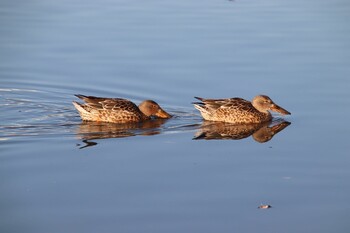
point(263, 103)
point(151, 108)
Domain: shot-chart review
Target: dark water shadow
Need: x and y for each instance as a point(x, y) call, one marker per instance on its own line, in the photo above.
point(261, 133)
point(88, 131)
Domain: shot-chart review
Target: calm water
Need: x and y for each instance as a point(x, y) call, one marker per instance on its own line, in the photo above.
point(61, 175)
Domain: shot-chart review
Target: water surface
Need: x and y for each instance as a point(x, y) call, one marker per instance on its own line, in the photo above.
point(178, 175)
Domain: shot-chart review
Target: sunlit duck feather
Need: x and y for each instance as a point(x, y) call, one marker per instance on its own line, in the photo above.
point(238, 110)
point(117, 110)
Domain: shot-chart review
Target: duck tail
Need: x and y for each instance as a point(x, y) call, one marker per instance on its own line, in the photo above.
point(201, 108)
point(80, 107)
point(199, 98)
point(82, 97)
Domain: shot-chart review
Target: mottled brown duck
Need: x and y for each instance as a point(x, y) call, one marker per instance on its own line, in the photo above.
point(117, 110)
point(238, 110)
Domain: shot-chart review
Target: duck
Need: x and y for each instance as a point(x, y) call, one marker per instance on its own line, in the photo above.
point(237, 110)
point(117, 110)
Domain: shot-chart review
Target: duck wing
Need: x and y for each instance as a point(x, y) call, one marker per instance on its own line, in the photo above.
point(231, 103)
point(110, 104)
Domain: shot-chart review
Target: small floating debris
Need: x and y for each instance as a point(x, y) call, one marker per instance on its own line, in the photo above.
point(264, 206)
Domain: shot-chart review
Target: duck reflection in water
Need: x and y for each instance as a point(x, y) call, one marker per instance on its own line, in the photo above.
point(262, 132)
point(89, 130)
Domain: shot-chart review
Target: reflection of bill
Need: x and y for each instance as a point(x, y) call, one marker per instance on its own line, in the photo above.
point(220, 130)
point(99, 130)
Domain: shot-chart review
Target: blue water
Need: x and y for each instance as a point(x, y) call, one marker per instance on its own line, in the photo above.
point(61, 175)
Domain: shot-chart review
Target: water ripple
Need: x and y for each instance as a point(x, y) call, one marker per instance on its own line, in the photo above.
point(47, 110)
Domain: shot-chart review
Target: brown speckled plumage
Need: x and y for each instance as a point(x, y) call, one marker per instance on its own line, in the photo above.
point(238, 110)
point(117, 110)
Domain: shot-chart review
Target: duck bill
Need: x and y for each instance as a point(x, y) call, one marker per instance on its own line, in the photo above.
point(163, 114)
point(279, 127)
point(279, 109)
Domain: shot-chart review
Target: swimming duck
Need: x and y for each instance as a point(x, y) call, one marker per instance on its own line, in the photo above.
point(238, 110)
point(117, 110)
